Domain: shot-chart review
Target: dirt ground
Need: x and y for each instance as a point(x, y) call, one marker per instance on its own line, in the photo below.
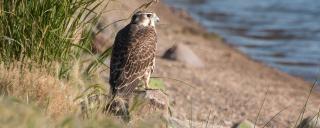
point(231, 87)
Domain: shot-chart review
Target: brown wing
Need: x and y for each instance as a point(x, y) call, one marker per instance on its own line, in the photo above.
point(133, 54)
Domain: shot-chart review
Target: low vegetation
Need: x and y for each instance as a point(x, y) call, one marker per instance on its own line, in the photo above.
point(47, 69)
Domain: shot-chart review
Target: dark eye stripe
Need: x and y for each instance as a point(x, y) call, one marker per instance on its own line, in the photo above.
point(149, 15)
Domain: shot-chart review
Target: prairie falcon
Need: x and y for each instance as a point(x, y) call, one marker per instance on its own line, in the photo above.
point(133, 54)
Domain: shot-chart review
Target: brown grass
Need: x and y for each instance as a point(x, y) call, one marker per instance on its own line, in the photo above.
point(35, 86)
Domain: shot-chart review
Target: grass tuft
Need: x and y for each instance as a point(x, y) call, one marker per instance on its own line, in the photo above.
point(45, 31)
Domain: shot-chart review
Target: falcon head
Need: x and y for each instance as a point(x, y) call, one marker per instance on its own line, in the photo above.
point(145, 18)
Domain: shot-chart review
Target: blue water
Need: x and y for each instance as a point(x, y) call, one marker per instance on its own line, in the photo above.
point(284, 34)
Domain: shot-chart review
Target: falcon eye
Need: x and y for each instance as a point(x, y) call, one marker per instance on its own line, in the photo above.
point(149, 15)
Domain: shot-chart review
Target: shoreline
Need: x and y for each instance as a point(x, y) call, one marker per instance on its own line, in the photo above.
point(238, 72)
point(205, 32)
point(272, 47)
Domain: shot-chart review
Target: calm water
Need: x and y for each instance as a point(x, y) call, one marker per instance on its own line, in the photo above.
point(285, 34)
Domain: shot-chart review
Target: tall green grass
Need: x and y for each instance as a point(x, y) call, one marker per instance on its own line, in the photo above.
point(45, 31)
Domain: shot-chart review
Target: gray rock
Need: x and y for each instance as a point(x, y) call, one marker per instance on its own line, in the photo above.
point(310, 122)
point(151, 106)
point(183, 53)
point(149, 102)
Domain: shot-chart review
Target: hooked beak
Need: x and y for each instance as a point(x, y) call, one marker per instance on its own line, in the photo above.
point(157, 19)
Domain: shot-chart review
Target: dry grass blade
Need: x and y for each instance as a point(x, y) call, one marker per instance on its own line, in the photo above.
point(95, 87)
point(207, 122)
point(146, 5)
point(191, 113)
point(181, 81)
point(213, 120)
point(108, 25)
point(99, 61)
point(143, 6)
point(275, 116)
point(318, 116)
point(264, 100)
point(300, 117)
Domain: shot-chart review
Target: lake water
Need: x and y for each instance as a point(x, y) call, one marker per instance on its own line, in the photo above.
point(284, 34)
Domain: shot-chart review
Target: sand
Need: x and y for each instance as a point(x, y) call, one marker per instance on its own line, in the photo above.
point(230, 87)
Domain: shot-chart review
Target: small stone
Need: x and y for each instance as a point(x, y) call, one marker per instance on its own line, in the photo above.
point(183, 53)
